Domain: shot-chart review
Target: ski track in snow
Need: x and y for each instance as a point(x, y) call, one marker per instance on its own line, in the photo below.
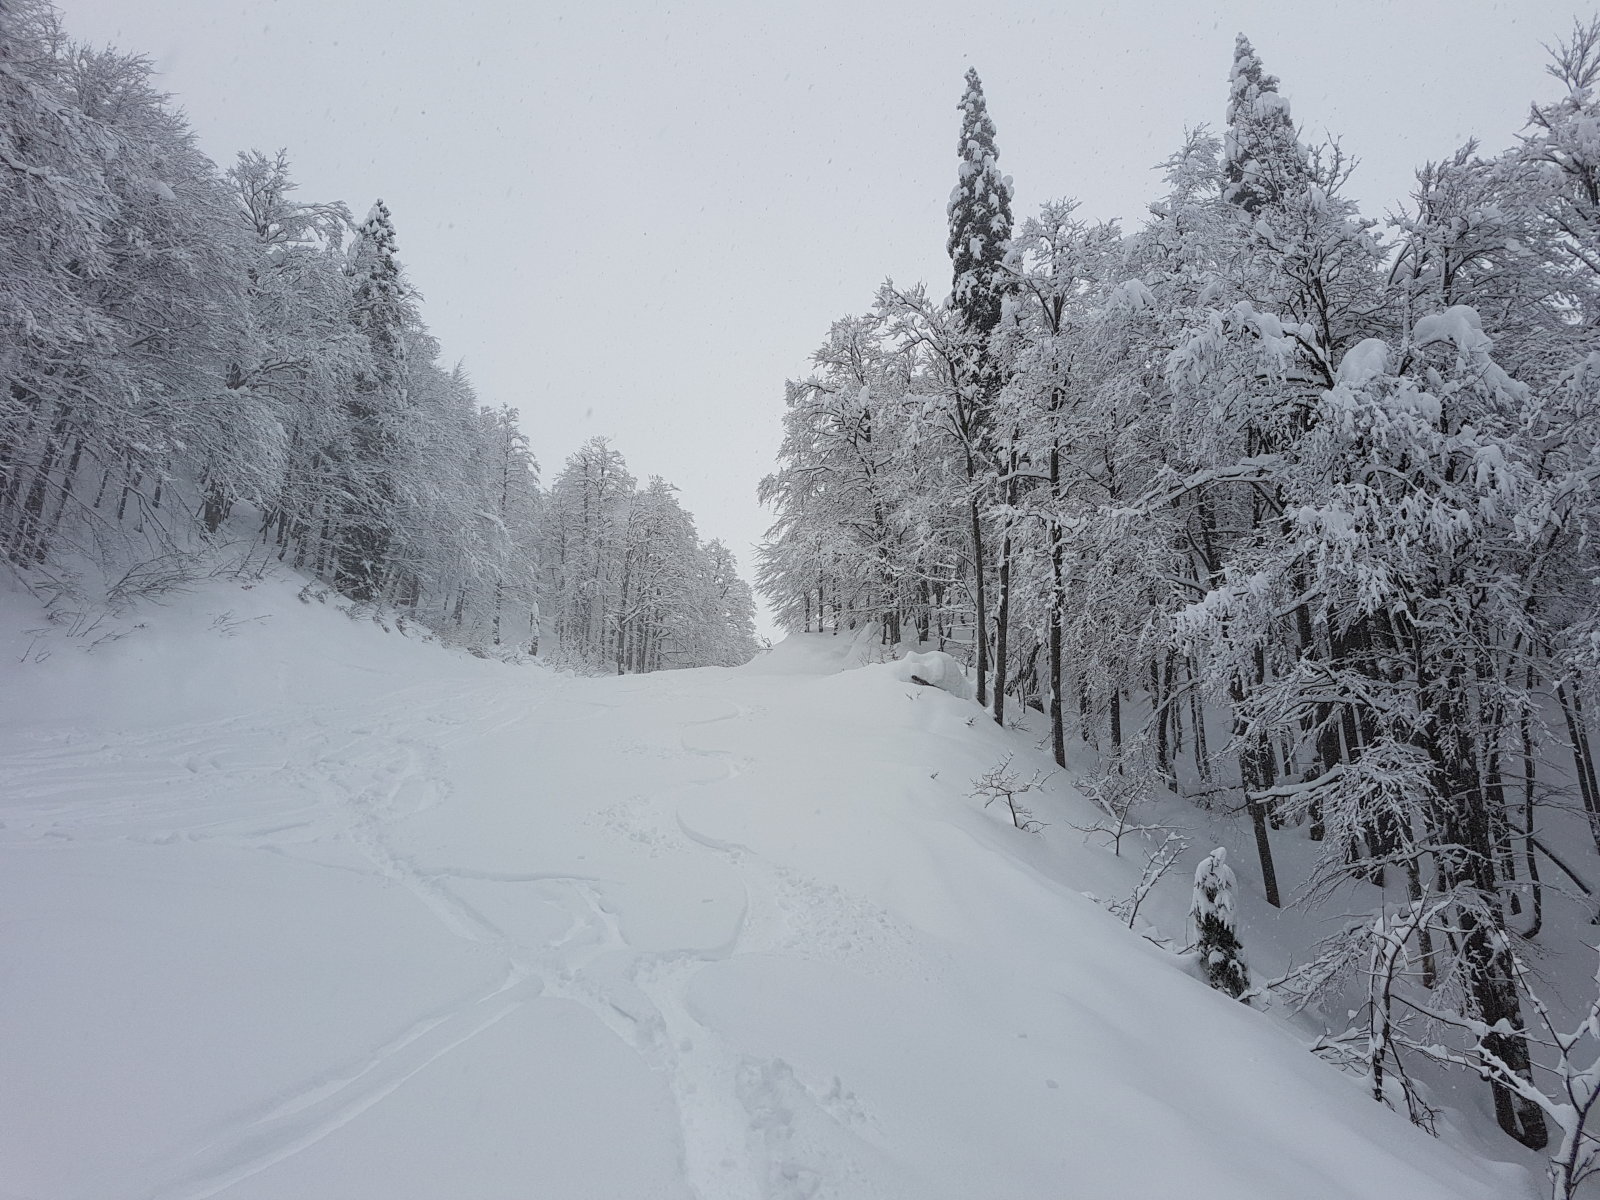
point(395, 777)
point(405, 782)
point(305, 1117)
point(730, 1116)
point(368, 776)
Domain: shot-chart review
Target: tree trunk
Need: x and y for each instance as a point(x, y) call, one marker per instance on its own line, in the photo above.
point(1197, 716)
point(1581, 768)
point(1058, 737)
point(1465, 821)
point(1002, 631)
point(1255, 776)
point(30, 543)
point(1531, 858)
point(981, 617)
point(1114, 714)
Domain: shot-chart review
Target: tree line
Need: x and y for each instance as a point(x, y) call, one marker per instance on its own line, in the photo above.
point(1267, 503)
point(195, 357)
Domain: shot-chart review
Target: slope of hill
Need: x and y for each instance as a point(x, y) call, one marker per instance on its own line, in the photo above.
point(297, 907)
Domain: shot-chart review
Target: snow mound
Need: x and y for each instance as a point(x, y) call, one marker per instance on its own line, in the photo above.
point(802, 654)
point(1366, 360)
point(935, 669)
point(866, 647)
point(1458, 324)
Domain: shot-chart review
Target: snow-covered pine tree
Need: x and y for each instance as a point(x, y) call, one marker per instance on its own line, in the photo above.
point(980, 221)
point(1263, 156)
point(1216, 942)
point(380, 309)
point(980, 234)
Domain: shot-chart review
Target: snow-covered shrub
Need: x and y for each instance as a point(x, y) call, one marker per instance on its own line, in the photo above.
point(1221, 955)
point(1000, 782)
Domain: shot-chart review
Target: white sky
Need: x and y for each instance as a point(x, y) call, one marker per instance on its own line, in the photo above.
point(638, 220)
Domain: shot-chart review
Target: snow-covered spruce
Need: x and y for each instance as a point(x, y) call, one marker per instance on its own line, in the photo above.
point(1216, 938)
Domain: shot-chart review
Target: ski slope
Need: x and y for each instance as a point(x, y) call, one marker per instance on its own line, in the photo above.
point(294, 907)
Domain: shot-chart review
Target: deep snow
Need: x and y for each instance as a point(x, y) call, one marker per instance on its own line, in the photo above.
point(296, 907)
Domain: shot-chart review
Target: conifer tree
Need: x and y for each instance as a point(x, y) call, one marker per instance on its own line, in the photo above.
point(1264, 158)
point(980, 216)
point(379, 309)
point(1221, 955)
point(980, 234)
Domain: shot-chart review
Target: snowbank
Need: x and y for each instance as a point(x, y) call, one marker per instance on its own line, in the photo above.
point(935, 669)
point(803, 654)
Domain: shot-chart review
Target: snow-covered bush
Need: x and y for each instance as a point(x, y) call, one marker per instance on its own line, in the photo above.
point(1221, 955)
point(1000, 782)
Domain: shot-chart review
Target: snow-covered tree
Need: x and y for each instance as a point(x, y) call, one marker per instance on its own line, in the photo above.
point(196, 362)
point(373, 452)
point(979, 211)
point(1216, 939)
point(980, 221)
point(1265, 162)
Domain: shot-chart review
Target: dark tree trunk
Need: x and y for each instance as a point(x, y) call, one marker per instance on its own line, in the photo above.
point(31, 543)
point(1531, 859)
point(1058, 737)
point(1464, 819)
point(981, 618)
point(1002, 631)
point(1582, 766)
point(1255, 776)
point(1197, 716)
point(1115, 720)
point(66, 484)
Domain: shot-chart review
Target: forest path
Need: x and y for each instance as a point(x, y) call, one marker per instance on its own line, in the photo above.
point(316, 911)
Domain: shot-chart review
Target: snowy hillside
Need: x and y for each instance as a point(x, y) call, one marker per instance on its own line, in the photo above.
point(295, 907)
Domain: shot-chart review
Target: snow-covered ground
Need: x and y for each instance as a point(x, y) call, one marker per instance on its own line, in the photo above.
point(293, 907)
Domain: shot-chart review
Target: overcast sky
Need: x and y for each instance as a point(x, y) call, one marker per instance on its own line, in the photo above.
point(638, 220)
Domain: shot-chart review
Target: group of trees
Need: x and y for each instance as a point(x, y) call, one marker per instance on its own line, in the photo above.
point(630, 582)
point(191, 356)
point(1267, 501)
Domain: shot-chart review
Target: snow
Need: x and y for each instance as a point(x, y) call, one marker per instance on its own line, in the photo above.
point(1364, 361)
point(935, 669)
point(1134, 294)
point(1269, 104)
point(1458, 324)
point(299, 907)
point(1214, 885)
